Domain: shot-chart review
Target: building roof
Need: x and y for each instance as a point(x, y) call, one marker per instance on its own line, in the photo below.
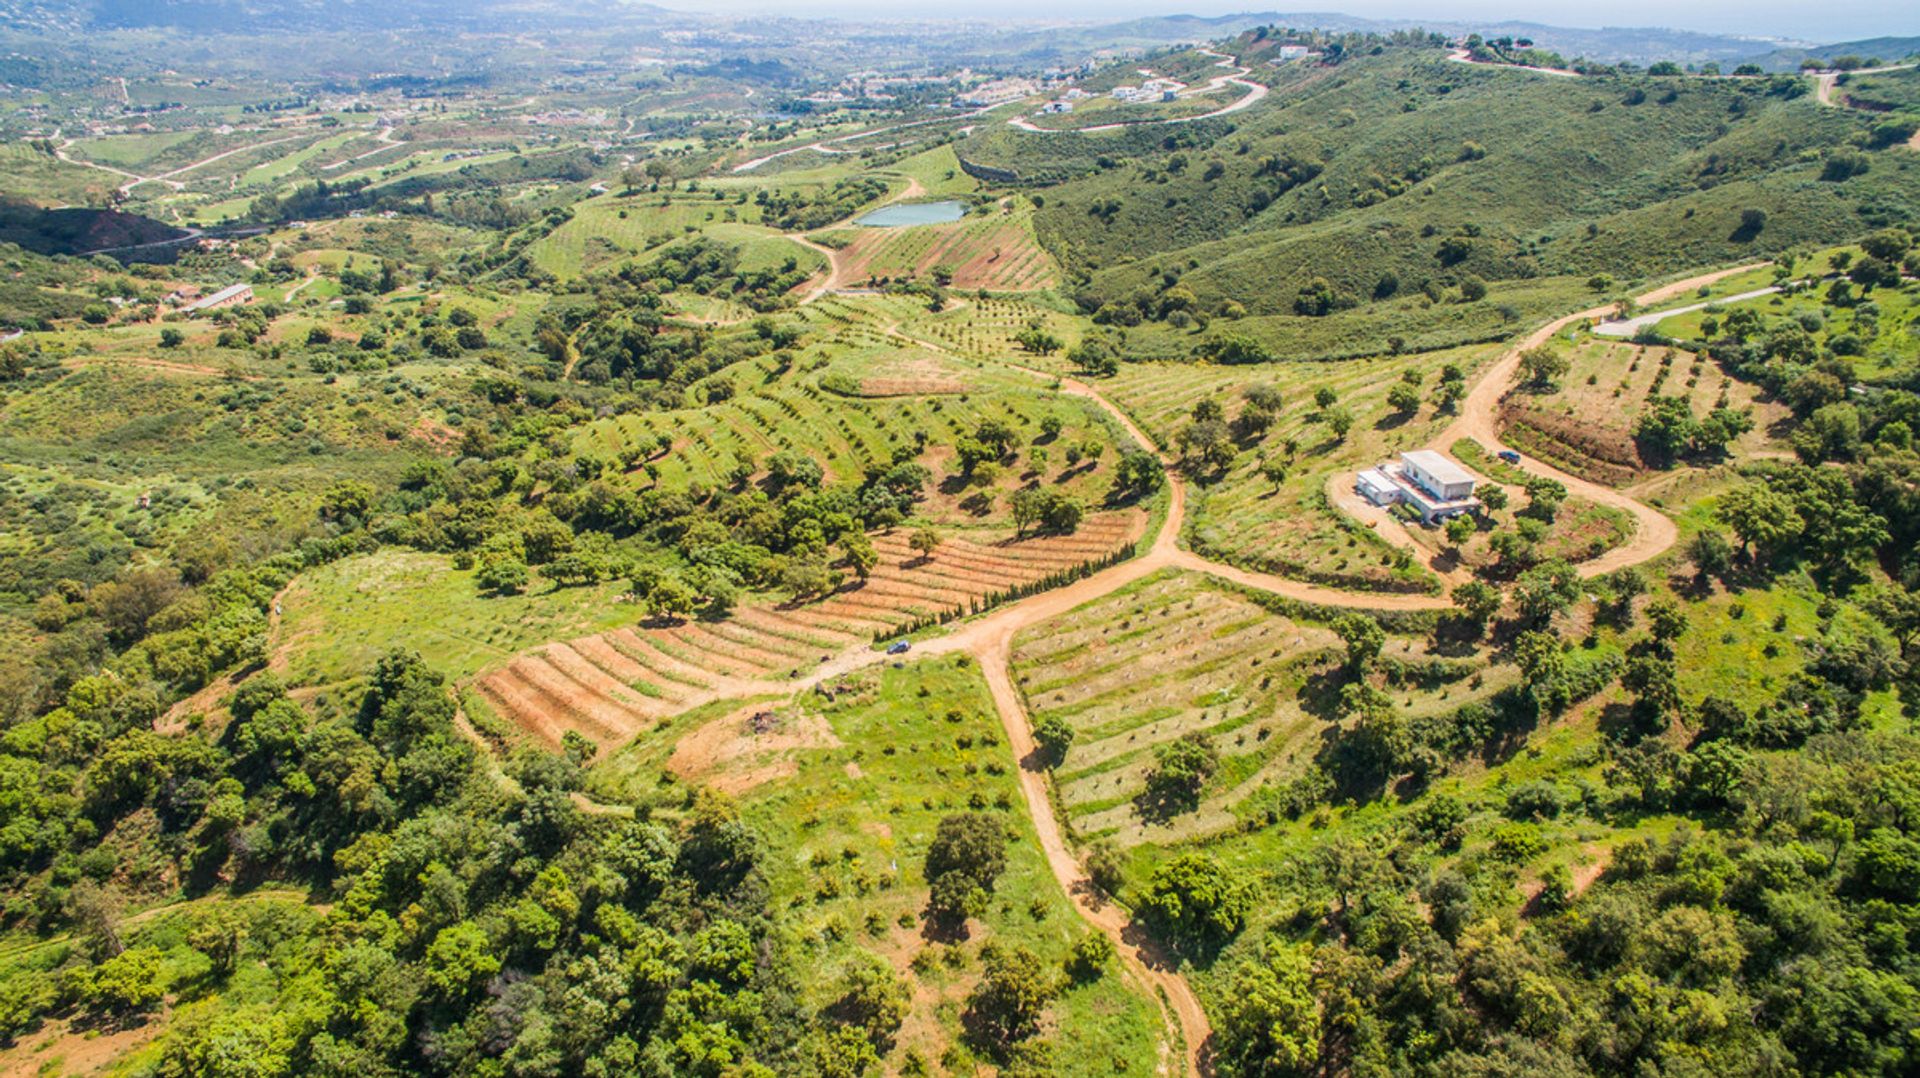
point(223, 295)
point(1442, 468)
point(1375, 479)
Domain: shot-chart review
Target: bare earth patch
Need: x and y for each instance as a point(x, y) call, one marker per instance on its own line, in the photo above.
point(750, 747)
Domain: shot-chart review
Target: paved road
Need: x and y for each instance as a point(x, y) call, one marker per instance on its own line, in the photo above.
point(1627, 327)
point(1255, 93)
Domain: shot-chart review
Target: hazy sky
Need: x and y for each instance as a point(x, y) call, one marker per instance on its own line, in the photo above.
point(1842, 21)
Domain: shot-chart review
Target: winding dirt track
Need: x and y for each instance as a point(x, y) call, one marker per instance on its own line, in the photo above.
point(1825, 82)
point(836, 266)
point(989, 640)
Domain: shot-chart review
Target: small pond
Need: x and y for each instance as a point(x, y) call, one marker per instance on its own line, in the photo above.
point(902, 214)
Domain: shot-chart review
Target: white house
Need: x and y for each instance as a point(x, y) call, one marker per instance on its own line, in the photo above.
point(1438, 474)
point(1433, 483)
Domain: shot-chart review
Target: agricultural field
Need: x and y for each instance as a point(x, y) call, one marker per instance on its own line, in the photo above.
point(937, 171)
point(870, 397)
point(1585, 423)
point(612, 228)
point(610, 686)
point(996, 252)
point(595, 609)
point(1290, 527)
point(848, 783)
point(990, 327)
point(1179, 657)
point(54, 182)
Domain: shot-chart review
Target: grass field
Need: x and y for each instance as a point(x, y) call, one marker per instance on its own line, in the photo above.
point(847, 786)
point(1885, 341)
point(340, 618)
point(272, 172)
point(131, 152)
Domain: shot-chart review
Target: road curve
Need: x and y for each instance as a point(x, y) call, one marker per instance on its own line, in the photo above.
point(1479, 420)
point(989, 640)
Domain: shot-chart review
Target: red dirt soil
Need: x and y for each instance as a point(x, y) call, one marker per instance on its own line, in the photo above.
point(610, 686)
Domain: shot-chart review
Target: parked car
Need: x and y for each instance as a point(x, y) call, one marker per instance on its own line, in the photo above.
point(899, 647)
point(1509, 456)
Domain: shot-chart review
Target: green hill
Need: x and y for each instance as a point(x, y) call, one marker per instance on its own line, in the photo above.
point(1401, 173)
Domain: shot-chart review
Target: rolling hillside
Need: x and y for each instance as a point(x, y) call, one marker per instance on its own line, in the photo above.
point(1395, 174)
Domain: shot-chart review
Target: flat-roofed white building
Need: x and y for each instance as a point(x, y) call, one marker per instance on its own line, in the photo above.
point(1437, 474)
point(1435, 485)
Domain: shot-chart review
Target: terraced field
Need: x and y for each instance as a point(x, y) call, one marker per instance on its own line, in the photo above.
point(905, 400)
point(1181, 654)
point(1586, 426)
point(1291, 529)
point(998, 253)
point(610, 685)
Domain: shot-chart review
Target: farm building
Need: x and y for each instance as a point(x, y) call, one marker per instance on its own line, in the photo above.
point(231, 296)
point(1433, 484)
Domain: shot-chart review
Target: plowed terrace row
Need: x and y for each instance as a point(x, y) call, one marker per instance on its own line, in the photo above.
point(610, 685)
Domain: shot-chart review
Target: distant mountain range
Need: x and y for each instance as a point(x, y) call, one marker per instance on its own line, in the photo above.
point(1885, 49)
point(1609, 45)
point(1031, 43)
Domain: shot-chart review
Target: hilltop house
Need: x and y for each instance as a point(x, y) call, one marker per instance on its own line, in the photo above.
point(1436, 486)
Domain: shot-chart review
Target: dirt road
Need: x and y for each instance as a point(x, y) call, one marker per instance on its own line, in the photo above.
point(1824, 83)
point(989, 640)
point(1461, 56)
point(1654, 532)
point(1143, 960)
point(834, 280)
